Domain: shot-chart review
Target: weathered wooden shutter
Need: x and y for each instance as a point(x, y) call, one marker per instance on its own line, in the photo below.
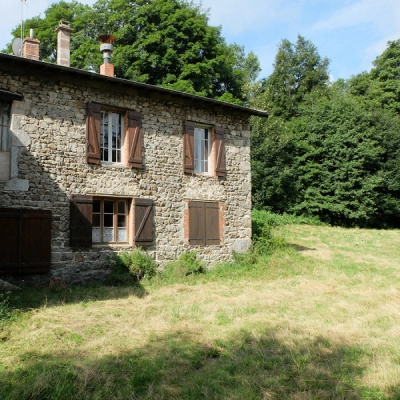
point(143, 222)
point(93, 134)
point(80, 227)
point(9, 240)
point(188, 147)
point(133, 139)
point(25, 236)
point(197, 234)
point(212, 223)
point(35, 241)
point(219, 142)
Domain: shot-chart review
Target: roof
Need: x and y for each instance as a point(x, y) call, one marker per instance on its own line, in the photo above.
point(7, 61)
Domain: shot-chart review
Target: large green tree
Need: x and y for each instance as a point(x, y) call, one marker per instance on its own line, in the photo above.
point(160, 42)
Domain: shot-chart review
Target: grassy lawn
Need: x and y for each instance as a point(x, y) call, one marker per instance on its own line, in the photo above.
point(316, 319)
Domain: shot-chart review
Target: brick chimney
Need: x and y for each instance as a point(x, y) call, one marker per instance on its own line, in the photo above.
point(63, 43)
point(30, 47)
point(107, 49)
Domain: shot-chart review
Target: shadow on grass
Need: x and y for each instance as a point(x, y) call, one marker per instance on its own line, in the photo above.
point(179, 366)
point(297, 247)
point(31, 298)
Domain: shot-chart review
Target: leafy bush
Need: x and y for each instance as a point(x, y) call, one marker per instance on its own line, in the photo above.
point(139, 264)
point(186, 264)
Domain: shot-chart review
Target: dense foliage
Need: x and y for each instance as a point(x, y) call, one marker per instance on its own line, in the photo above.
point(329, 150)
point(159, 42)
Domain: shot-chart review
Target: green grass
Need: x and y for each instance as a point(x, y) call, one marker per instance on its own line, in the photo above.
point(316, 317)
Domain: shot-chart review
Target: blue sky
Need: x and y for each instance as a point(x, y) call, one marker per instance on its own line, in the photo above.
point(351, 33)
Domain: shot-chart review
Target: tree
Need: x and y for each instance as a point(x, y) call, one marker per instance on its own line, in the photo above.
point(298, 69)
point(159, 42)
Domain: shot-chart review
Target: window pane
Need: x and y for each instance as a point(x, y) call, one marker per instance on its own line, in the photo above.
point(108, 207)
point(121, 207)
point(122, 235)
point(108, 235)
point(96, 206)
point(108, 220)
point(121, 221)
point(96, 220)
point(96, 235)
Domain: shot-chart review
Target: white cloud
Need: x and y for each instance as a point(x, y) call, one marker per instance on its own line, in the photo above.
point(383, 14)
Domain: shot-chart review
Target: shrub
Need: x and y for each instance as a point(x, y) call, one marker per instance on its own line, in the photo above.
point(139, 264)
point(186, 264)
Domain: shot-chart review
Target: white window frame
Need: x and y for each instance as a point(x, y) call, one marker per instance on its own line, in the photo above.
point(106, 130)
point(202, 150)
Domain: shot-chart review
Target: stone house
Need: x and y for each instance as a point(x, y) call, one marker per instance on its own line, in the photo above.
point(91, 164)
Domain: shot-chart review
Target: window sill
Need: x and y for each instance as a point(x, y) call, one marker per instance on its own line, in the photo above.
point(112, 165)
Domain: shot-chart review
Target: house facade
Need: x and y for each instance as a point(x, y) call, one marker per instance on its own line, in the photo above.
point(91, 165)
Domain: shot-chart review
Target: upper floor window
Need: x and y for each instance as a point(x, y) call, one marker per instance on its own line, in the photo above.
point(203, 149)
point(5, 108)
point(113, 136)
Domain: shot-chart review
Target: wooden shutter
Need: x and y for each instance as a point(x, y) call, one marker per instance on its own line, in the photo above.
point(219, 142)
point(212, 223)
point(143, 222)
point(93, 126)
point(197, 234)
point(25, 236)
point(133, 139)
point(80, 227)
point(188, 147)
point(35, 241)
point(9, 240)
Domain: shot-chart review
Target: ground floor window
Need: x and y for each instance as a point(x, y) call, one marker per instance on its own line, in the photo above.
point(97, 220)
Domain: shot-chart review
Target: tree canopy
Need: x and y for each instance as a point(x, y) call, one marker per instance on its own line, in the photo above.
point(159, 42)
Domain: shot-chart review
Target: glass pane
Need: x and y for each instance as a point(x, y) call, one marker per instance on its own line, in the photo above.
point(96, 235)
point(108, 235)
point(108, 207)
point(121, 207)
point(108, 220)
point(121, 221)
point(122, 235)
point(114, 156)
point(96, 220)
point(96, 206)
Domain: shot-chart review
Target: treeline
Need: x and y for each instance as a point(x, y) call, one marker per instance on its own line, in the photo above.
point(330, 150)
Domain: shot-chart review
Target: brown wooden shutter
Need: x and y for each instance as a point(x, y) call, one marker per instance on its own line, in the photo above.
point(143, 222)
point(93, 126)
point(212, 223)
point(197, 234)
point(133, 139)
point(219, 142)
point(25, 236)
point(188, 147)
point(35, 241)
point(9, 240)
point(80, 227)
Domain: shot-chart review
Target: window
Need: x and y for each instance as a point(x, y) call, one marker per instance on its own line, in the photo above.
point(203, 150)
point(113, 136)
point(4, 125)
point(203, 223)
point(111, 220)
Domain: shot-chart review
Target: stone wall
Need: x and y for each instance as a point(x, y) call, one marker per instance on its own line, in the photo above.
point(48, 129)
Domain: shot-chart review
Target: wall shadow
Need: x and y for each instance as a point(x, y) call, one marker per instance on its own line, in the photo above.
point(179, 366)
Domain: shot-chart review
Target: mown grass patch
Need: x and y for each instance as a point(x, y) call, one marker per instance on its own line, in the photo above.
point(315, 317)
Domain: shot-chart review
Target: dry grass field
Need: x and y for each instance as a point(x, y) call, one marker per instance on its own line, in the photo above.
point(318, 318)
